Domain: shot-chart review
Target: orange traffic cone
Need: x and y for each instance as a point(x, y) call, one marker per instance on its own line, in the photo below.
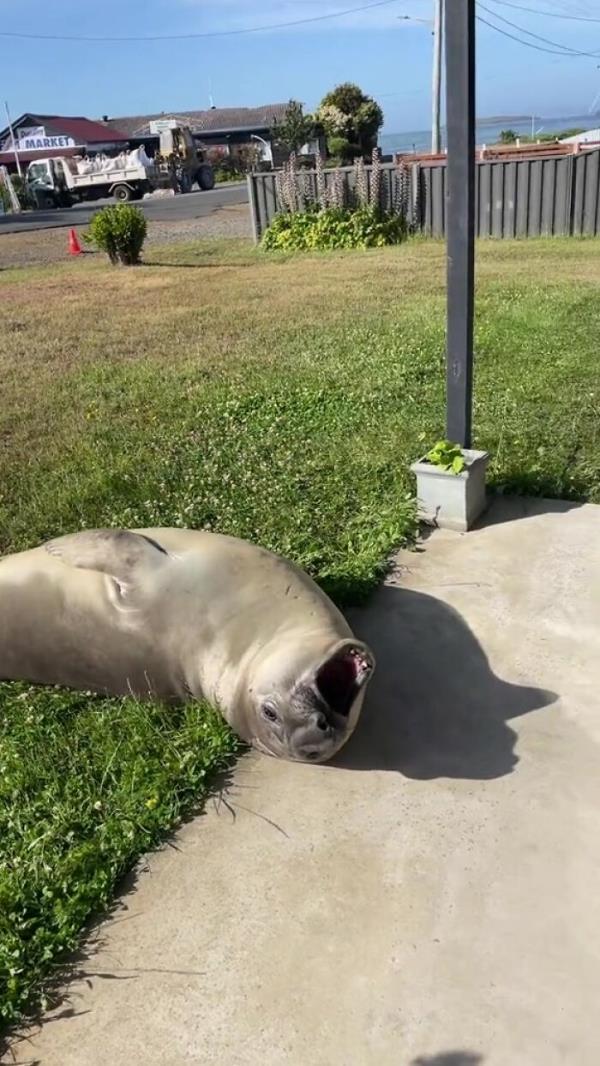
point(74, 245)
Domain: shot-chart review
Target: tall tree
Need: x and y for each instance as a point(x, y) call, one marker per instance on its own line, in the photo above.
point(294, 129)
point(351, 120)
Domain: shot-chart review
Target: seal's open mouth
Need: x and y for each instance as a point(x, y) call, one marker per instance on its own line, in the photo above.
point(341, 678)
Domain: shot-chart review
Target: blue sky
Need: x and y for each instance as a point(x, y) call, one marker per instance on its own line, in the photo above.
point(389, 58)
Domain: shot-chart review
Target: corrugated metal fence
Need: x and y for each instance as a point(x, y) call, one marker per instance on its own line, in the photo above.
point(522, 198)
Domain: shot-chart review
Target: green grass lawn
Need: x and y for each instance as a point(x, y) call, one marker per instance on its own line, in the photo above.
point(86, 786)
point(280, 399)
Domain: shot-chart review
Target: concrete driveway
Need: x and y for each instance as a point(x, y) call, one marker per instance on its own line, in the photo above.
point(432, 900)
point(164, 209)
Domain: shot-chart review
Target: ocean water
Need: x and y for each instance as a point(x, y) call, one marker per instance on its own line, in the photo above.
point(486, 133)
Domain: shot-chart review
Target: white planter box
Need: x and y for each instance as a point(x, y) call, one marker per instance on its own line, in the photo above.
point(452, 501)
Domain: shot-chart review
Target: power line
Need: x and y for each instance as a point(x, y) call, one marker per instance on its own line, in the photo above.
point(547, 14)
point(555, 44)
point(528, 44)
point(196, 36)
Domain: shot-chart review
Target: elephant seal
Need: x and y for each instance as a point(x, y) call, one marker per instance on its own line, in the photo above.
point(176, 613)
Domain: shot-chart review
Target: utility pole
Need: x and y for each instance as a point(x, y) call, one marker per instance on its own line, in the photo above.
point(436, 79)
point(460, 122)
point(436, 82)
point(14, 143)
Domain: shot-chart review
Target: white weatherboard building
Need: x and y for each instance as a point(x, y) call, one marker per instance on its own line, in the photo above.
point(587, 137)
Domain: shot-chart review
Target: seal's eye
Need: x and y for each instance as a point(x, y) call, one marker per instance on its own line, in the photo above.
point(270, 713)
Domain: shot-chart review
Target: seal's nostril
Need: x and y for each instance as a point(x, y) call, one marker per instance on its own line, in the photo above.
point(322, 722)
point(312, 755)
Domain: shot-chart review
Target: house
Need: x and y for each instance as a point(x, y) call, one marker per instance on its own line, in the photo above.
point(587, 137)
point(217, 127)
point(37, 136)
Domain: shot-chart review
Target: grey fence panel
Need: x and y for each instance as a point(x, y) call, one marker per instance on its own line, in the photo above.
point(590, 195)
point(262, 197)
point(554, 197)
point(484, 201)
point(535, 198)
point(498, 199)
point(510, 200)
point(270, 198)
point(253, 207)
point(431, 214)
point(522, 205)
point(523, 198)
point(548, 191)
point(438, 198)
point(426, 201)
point(562, 195)
point(577, 197)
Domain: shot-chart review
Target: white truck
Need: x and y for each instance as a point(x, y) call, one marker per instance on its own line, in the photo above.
point(59, 182)
point(63, 180)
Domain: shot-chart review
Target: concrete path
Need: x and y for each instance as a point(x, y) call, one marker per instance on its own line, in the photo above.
point(433, 900)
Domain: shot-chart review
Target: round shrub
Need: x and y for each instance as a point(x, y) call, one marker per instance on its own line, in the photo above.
point(341, 148)
point(335, 227)
point(120, 231)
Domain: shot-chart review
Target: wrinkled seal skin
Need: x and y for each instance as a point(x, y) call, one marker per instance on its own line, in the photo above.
point(174, 614)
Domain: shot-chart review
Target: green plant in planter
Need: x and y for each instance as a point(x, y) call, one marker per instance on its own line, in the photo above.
point(120, 231)
point(447, 456)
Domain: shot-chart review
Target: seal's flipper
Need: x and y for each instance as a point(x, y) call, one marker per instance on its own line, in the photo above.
point(122, 555)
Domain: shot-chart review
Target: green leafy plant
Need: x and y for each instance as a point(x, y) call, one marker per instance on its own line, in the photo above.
point(223, 174)
point(332, 211)
point(120, 231)
point(5, 199)
point(340, 148)
point(294, 129)
point(19, 188)
point(447, 456)
point(351, 121)
point(335, 227)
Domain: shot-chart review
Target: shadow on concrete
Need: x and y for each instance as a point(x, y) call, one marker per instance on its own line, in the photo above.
point(434, 707)
point(513, 508)
point(449, 1058)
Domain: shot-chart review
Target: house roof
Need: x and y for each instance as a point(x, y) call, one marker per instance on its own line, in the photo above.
point(82, 130)
point(215, 120)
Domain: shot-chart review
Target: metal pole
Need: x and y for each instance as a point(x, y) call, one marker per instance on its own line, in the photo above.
point(460, 122)
point(14, 143)
point(436, 80)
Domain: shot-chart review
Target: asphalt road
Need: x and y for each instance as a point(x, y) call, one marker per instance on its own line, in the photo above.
point(167, 209)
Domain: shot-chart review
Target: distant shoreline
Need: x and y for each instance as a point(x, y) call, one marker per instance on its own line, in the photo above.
point(495, 120)
point(488, 130)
